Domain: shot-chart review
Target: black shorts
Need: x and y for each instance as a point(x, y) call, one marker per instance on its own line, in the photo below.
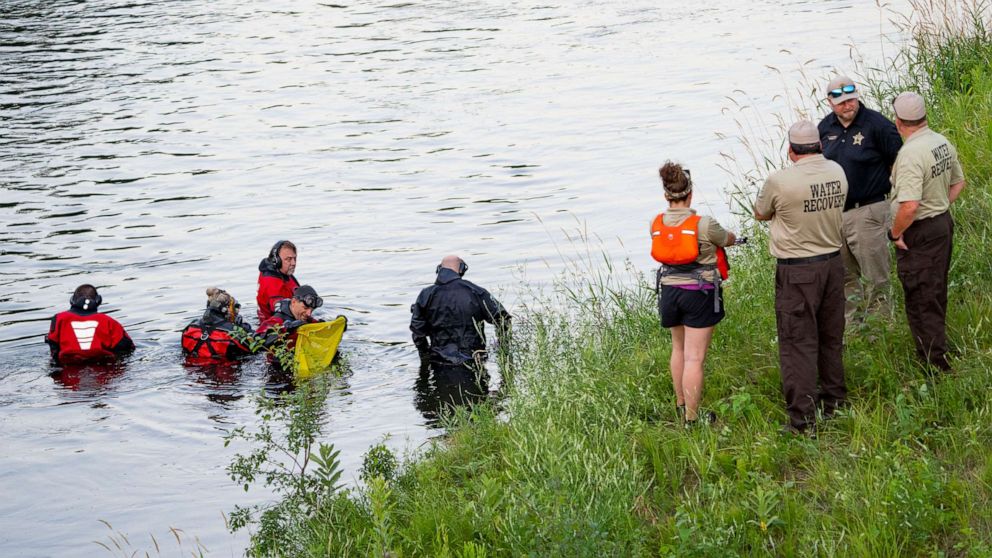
point(689, 308)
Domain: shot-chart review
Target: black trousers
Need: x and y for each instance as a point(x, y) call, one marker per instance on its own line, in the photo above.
point(809, 312)
point(923, 273)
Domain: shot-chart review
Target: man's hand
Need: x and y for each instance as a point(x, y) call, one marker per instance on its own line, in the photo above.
point(290, 325)
point(424, 351)
point(900, 243)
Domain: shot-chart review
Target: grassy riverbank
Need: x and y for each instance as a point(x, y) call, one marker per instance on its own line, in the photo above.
point(591, 461)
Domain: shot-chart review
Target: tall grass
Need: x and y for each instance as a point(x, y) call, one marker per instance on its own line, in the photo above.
point(586, 457)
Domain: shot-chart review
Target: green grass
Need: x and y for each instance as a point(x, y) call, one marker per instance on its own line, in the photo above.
point(585, 457)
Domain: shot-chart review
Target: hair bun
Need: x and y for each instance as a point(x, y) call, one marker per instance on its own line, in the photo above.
point(671, 173)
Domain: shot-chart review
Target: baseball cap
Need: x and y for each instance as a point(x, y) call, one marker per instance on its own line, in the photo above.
point(804, 132)
point(909, 106)
point(840, 89)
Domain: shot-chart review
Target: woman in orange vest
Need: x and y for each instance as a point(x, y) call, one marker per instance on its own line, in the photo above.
point(689, 290)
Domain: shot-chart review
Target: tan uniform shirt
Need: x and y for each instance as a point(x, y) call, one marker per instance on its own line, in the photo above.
point(925, 169)
point(710, 235)
point(805, 202)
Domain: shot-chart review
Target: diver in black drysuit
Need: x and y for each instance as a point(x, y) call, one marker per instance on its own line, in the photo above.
point(448, 325)
point(449, 318)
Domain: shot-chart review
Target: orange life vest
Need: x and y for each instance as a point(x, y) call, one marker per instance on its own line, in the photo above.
point(675, 245)
point(679, 245)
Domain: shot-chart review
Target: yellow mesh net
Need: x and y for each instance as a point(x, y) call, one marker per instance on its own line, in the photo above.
point(316, 345)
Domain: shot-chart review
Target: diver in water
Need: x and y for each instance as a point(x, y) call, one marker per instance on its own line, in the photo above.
point(289, 315)
point(448, 325)
point(83, 334)
point(221, 333)
point(276, 281)
point(448, 319)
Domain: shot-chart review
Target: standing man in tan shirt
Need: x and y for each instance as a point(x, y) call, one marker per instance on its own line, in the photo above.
point(926, 179)
point(804, 204)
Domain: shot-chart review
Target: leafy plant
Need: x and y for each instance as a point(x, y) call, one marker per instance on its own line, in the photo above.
point(274, 343)
point(379, 462)
point(287, 458)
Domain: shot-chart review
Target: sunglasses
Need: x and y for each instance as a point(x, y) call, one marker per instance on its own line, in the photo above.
point(312, 302)
point(841, 91)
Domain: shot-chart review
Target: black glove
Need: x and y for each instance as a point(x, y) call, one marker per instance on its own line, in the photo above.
point(290, 325)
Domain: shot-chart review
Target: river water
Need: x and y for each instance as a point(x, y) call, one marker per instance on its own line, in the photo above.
point(158, 148)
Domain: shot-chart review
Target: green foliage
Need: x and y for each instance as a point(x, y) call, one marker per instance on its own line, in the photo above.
point(379, 462)
point(951, 40)
point(275, 343)
point(285, 457)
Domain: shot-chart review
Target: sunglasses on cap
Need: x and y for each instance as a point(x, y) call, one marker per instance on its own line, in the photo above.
point(842, 91)
point(311, 301)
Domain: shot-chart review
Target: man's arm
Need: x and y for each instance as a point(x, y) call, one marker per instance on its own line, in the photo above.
point(121, 341)
point(500, 318)
point(52, 339)
point(124, 346)
point(903, 219)
point(764, 207)
point(908, 191)
point(889, 141)
point(420, 328)
point(274, 330)
point(495, 313)
point(955, 191)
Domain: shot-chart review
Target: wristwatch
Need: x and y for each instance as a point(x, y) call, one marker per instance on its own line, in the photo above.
point(888, 233)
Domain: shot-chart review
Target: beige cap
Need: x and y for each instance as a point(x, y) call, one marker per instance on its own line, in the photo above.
point(804, 132)
point(838, 83)
point(909, 106)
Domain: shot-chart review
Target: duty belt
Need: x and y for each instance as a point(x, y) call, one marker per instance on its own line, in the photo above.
point(869, 201)
point(808, 260)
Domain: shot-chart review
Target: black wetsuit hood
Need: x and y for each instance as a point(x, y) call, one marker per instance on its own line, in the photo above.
point(282, 310)
point(446, 276)
point(217, 318)
point(265, 267)
point(78, 310)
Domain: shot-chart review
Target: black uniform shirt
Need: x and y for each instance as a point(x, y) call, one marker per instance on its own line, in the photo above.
point(866, 150)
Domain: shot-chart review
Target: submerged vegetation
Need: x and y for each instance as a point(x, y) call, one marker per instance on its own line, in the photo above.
point(586, 456)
